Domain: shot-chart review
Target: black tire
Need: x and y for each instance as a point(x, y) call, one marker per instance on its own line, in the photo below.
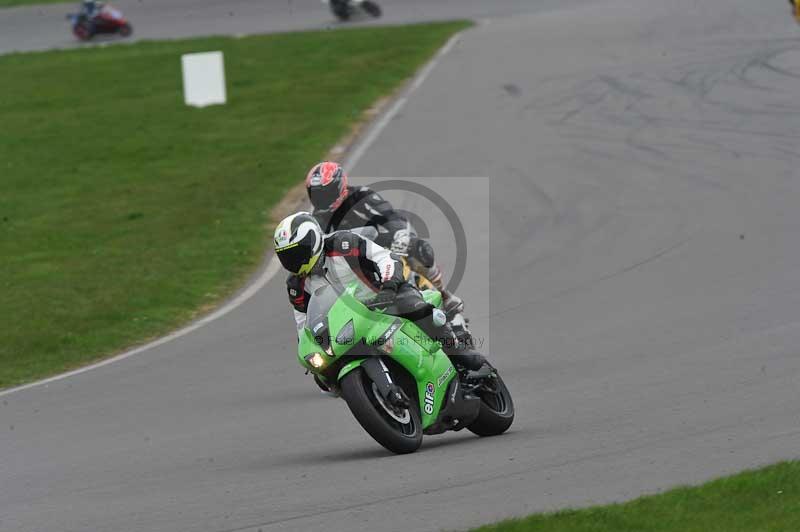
point(497, 411)
point(372, 9)
point(126, 30)
point(396, 437)
point(82, 30)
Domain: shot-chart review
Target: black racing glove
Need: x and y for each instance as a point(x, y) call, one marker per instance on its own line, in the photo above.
point(385, 297)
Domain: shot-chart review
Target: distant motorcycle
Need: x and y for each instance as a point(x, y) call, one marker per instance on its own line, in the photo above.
point(107, 20)
point(344, 9)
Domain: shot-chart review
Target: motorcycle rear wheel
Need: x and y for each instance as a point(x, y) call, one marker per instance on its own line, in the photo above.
point(496, 412)
point(399, 434)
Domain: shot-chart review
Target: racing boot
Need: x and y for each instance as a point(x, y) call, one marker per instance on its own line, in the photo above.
point(466, 359)
point(457, 347)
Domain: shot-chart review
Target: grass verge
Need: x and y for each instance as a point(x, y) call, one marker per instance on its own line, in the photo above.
point(12, 3)
point(123, 212)
point(754, 501)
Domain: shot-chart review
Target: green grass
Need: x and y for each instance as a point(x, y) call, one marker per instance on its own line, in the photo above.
point(11, 3)
point(765, 500)
point(123, 212)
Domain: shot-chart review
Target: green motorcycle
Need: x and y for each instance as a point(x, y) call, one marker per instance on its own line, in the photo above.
point(397, 381)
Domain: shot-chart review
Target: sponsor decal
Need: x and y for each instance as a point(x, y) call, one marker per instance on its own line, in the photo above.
point(443, 377)
point(318, 326)
point(429, 398)
point(387, 272)
point(390, 331)
point(384, 338)
point(283, 236)
point(288, 246)
point(345, 245)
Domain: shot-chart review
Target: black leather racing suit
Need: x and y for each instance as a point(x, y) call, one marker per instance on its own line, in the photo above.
point(364, 207)
point(91, 9)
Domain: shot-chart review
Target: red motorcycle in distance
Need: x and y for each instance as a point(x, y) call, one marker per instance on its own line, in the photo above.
point(107, 20)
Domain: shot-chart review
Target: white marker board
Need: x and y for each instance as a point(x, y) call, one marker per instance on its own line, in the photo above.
point(203, 79)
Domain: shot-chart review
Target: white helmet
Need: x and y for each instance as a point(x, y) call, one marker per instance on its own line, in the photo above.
point(298, 243)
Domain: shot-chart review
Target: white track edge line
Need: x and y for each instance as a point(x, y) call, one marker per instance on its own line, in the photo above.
point(272, 267)
point(268, 273)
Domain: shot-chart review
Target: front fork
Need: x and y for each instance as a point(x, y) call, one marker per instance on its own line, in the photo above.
point(379, 374)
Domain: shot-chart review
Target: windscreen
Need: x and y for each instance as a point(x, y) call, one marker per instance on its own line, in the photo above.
point(319, 305)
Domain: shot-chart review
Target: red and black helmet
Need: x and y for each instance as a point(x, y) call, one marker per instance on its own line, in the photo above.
point(327, 186)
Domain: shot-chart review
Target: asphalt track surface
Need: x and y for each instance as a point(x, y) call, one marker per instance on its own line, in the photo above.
point(642, 262)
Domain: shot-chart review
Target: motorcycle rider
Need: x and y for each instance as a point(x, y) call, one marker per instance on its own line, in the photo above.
point(316, 260)
point(339, 206)
point(90, 8)
point(340, 8)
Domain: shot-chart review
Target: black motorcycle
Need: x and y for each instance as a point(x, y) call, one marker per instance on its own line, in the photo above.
point(344, 9)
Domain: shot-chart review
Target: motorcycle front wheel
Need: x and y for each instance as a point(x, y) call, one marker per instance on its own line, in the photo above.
point(82, 31)
point(126, 30)
point(399, 432)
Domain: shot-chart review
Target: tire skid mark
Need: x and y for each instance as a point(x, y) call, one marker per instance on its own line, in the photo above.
point(638, 111)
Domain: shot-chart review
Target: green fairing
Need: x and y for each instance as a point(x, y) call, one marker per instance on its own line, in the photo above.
point(412, 349)
point(347, 368)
